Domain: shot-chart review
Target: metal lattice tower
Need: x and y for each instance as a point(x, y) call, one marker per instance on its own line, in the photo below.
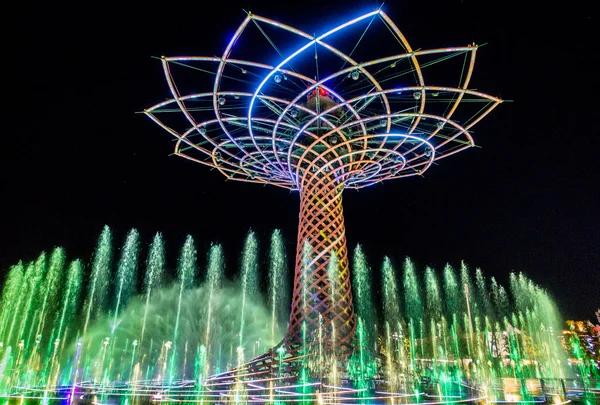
point(316, 294)
point(335, 113)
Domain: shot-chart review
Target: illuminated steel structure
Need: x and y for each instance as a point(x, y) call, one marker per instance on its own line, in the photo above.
point(320, 127)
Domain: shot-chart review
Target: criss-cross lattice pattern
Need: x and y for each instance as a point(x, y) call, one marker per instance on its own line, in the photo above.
point(322, 296)
point(345, 109)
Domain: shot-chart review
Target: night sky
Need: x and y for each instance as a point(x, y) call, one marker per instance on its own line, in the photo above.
point(76, 156)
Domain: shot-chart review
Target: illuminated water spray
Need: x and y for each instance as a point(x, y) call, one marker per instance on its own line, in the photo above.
point(97, 293)
point(434, 313)
point(54, 281)
point(215, 275)
point(277, 281)
point(249, 281)
point(192, 334)
point(10, 301)
point(154, 277)
point(361, 287)
point(64, 321)
point(392, 317)
point(186, 271)
point(33, 291)
point(126, 273)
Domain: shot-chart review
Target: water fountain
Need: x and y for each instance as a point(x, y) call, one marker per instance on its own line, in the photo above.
point(435, 339)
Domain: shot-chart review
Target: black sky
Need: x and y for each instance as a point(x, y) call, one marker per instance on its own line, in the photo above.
point(75, 156)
